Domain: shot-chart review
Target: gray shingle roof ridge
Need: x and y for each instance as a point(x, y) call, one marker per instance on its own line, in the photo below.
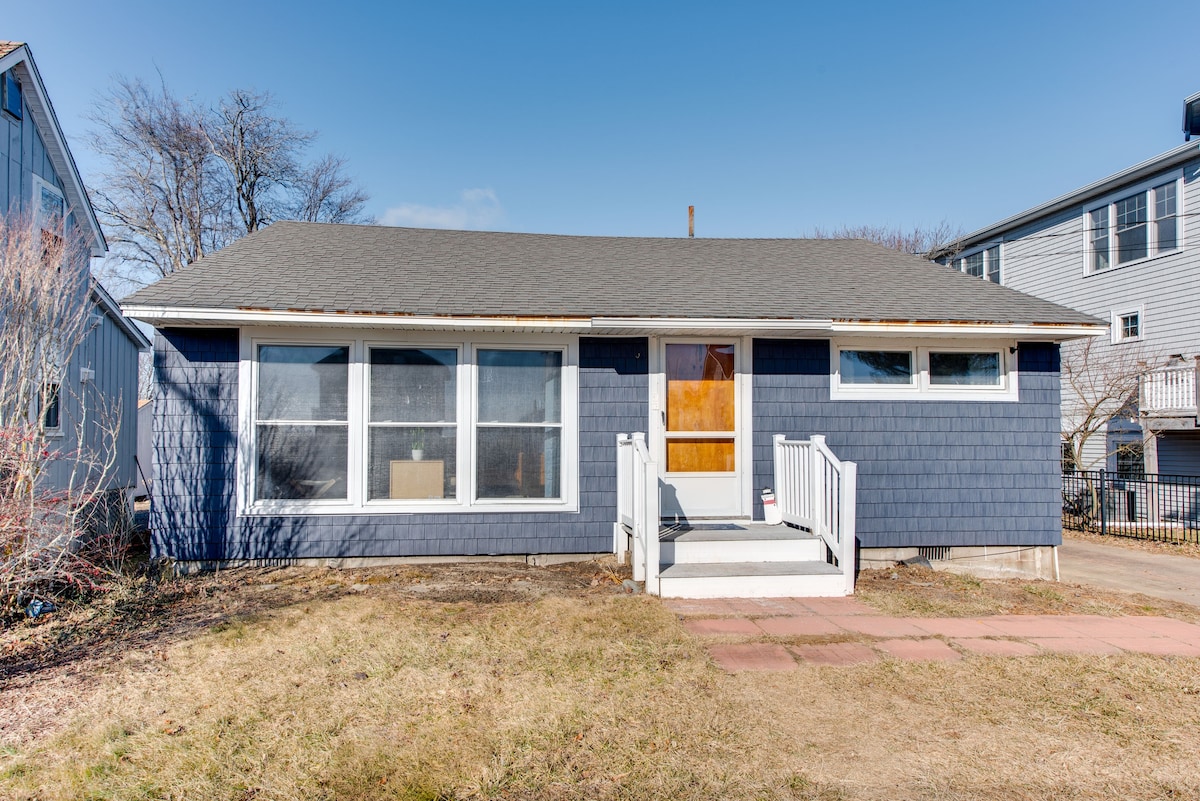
point(542, 234)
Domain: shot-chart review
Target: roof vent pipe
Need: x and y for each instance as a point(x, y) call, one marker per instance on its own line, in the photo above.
point(691, 221)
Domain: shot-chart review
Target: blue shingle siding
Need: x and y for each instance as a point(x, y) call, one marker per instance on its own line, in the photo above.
point(195, 428)
point(930, 472)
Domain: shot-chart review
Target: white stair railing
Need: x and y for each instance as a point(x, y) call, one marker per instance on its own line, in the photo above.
point(816, 490)
point(638, 509)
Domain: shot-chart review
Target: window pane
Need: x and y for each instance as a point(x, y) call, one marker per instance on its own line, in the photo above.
point(973, 265)
point(50, 402)
point(1131, 326)
point(301, 462)
point(303, 382)
point(412, 462)
point(964, 369)
point(1099, 238)
point(1132, 229)
point(413, 385)
point(700, 456)
point(700, 387)
point(1164, 217)
point(876, 367)
point(993, 264)
point(520, 386)
point(518, 462)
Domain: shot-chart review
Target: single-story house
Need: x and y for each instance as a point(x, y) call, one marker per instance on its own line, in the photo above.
point(339, 392)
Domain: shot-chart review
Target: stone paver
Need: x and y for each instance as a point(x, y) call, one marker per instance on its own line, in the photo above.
point(877, 625)
point(1104, 627)
point(954, 627)
point(1026, 625)
point(807, 626)
point(708, 627)
point(752, 656)
point(706, 607)
point(835, 654)
point(1170, 627)
point(986, 647)
point(1159, 646)
point(837, 606)
point(1075, 645)
point(919, 650)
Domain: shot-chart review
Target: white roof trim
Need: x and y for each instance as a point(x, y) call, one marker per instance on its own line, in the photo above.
point(166, 316)
point(42, 109)
point(1113, 182)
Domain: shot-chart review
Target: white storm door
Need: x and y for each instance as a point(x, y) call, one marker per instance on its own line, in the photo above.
point(700, 444)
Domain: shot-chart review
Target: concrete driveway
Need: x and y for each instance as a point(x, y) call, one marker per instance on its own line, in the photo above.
point(1174, 578)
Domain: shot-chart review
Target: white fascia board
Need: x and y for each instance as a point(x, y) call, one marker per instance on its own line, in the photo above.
point(1031, 331)
point(56, 144)
point(161, 315)
point(718, 323)
point(1143, 170)
point(113, 309)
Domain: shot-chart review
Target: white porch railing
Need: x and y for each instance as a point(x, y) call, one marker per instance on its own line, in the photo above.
point(1170, 390)
point(816, 490)
point(638, 509)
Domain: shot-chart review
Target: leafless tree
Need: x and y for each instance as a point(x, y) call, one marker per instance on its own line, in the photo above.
point(46, 541)
point(928, 242)
point(1100, 385)
point(182, 180)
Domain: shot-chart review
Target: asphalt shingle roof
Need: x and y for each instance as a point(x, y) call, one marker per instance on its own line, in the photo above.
point(378, 269)
point(8, 47)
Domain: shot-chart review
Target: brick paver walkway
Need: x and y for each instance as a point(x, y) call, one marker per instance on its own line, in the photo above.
point(843, 631)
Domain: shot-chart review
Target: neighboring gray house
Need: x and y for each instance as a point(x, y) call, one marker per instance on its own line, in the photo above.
point(1124, 249)
point(38, 175)
point(360, 392)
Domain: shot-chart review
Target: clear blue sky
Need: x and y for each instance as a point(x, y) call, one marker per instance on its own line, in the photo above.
point(611, 118)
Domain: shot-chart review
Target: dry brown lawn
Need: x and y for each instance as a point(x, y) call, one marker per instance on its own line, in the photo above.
point(510, 682)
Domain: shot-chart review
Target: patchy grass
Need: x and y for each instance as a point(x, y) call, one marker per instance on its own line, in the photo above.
point(1188, 549)
point(921, 592)
point(522, 683)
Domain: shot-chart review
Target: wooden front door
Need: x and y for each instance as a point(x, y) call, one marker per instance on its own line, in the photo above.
point(700, 439)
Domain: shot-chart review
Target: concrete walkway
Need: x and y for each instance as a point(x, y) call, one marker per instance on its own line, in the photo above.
point(844, 631)
point(1161, 575)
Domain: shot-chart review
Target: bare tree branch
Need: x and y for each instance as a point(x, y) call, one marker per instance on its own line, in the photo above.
point(928, 242)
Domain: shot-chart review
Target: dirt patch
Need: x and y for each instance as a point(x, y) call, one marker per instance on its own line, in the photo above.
point(1188, 549)
point(920, 592)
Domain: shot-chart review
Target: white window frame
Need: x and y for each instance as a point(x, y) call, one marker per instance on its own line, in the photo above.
point(358, 412)
point(920, 388)
point(1117, 330)
point(40, 184)
point(1110, 201)
point(959, 262)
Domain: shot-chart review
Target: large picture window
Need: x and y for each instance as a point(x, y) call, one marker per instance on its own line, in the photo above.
point(409, 426)
point(302, 422)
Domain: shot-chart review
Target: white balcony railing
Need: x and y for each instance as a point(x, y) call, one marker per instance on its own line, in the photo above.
point(1169, 391)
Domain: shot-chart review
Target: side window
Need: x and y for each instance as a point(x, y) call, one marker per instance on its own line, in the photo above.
point(10, 94)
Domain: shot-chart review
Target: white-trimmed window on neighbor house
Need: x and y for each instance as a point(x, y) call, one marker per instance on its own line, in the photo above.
point(983, 263)
point(1127, 325)
point(1134, 226)
point(411, 426)
point(924, 372)
point(50, 406)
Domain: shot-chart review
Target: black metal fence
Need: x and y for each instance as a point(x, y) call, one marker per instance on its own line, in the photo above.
point(1150, 507)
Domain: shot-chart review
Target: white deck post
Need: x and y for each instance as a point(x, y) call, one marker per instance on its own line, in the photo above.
point(782, 496)
point(652, 525)
point(624, 479)
point(846, 501)
point(816, 482)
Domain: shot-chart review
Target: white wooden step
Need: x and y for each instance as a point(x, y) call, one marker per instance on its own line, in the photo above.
point(738, 543)
point(801, 579)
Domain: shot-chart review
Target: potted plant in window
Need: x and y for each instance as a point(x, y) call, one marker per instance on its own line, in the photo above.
point(418, 444)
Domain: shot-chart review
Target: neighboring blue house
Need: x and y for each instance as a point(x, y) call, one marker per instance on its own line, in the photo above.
point(1124, 249)
point(39, 180)
point(356, 392)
